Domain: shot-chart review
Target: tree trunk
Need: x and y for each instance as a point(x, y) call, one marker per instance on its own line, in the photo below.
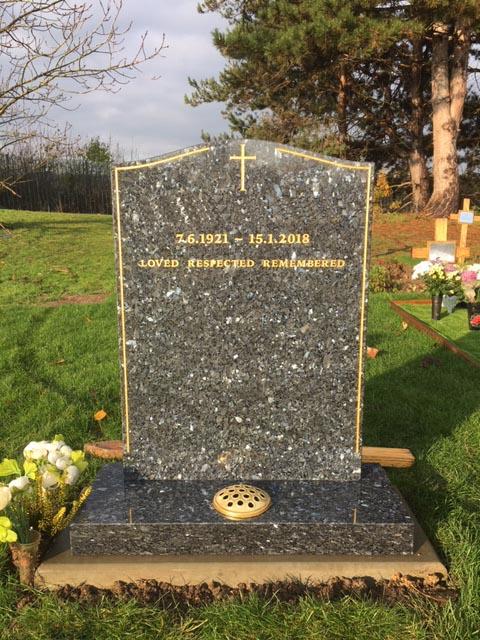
point(419, 178)
point(417, 159)
point(449, 88)
point(342, 109)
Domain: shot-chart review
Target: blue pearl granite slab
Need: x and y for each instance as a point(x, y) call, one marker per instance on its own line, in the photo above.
point(127, 515)
point(242, 358)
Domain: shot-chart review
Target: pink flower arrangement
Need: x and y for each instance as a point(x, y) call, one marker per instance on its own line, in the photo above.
point(469, 276)
point(471, 282)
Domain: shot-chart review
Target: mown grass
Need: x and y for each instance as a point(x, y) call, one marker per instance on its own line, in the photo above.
point(453, 326)
point(59, 365)
point(48, 256)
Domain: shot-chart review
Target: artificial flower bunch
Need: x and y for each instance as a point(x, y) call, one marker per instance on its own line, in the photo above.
point(440, 278)
point(55, 461)
point(449, 279)
point(39, 492)
point(471, 282)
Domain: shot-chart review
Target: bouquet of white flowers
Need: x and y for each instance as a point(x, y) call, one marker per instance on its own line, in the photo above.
point(39, 494)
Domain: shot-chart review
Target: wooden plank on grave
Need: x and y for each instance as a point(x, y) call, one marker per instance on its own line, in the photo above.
point(463, 252)
point(441, 229)
point(411, 320)
point(463, 235)
point(420, 252)
point(388, 457)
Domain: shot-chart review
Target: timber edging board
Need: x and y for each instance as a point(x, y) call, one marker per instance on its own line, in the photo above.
point(397, 306)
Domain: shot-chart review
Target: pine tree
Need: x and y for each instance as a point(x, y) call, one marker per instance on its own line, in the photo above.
point(356, 79)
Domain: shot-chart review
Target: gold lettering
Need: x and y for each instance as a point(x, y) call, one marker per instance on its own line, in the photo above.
point(309, 263)
point(167, 263)
point(242, 263)
point(220, 263)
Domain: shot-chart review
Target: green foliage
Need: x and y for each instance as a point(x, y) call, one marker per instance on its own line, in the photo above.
point(284, 62)
point(380, 279)
point(9, 468)
point(387, 276)
point(98, 151)
point(336, 77)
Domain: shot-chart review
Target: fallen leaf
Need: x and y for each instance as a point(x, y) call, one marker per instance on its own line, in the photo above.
point(100, 415)
point(372, 352)
point(404, 325)
point(61, 361)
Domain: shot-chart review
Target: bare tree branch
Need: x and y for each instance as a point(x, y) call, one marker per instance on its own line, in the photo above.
point(53, 50)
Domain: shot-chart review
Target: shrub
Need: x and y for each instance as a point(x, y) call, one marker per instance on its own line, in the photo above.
point(389, 276)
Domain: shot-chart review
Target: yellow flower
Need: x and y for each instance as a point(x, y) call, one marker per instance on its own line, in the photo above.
point(6, 532)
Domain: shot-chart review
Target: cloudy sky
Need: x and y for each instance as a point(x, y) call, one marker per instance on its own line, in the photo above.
point(149, 117)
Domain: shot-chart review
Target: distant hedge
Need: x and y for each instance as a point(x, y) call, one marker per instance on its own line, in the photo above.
point(72, 185)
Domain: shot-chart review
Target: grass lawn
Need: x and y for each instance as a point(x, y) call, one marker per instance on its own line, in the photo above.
point(58, 365)
point(454, 327)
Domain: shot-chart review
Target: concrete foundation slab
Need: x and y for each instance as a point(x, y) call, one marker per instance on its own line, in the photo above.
point(60, 567)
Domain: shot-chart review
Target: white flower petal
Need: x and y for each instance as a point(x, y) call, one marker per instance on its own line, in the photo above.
point(19, 484)
point(63, 462)
point(66, 451)
point(72, 474)
point(50, 480)
point(53, 456)
point(5, 497)
point(38, 453)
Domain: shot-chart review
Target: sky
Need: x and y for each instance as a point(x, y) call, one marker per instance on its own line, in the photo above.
point(149, 117)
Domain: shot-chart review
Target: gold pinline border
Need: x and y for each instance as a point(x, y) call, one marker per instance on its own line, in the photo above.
point(334, 163)
point(116, 172)
point(362, 313)
point(122, 311)
point(354, 167)
point(153, 163)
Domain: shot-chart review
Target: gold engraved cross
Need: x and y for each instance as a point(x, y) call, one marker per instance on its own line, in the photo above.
point(242, 157)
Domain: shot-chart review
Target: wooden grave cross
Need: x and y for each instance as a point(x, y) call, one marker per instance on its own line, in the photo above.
point(465, 217)
point(441, 246)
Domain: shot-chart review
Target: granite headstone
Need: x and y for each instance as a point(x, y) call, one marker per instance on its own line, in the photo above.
point(242, 290)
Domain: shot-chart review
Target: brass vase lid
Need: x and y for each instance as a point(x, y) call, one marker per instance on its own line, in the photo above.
point(241, 501)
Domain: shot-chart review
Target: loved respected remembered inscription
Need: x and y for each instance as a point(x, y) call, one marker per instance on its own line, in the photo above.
point(241, 294)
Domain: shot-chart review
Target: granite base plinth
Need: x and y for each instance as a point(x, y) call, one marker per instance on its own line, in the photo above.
point(126, 515)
